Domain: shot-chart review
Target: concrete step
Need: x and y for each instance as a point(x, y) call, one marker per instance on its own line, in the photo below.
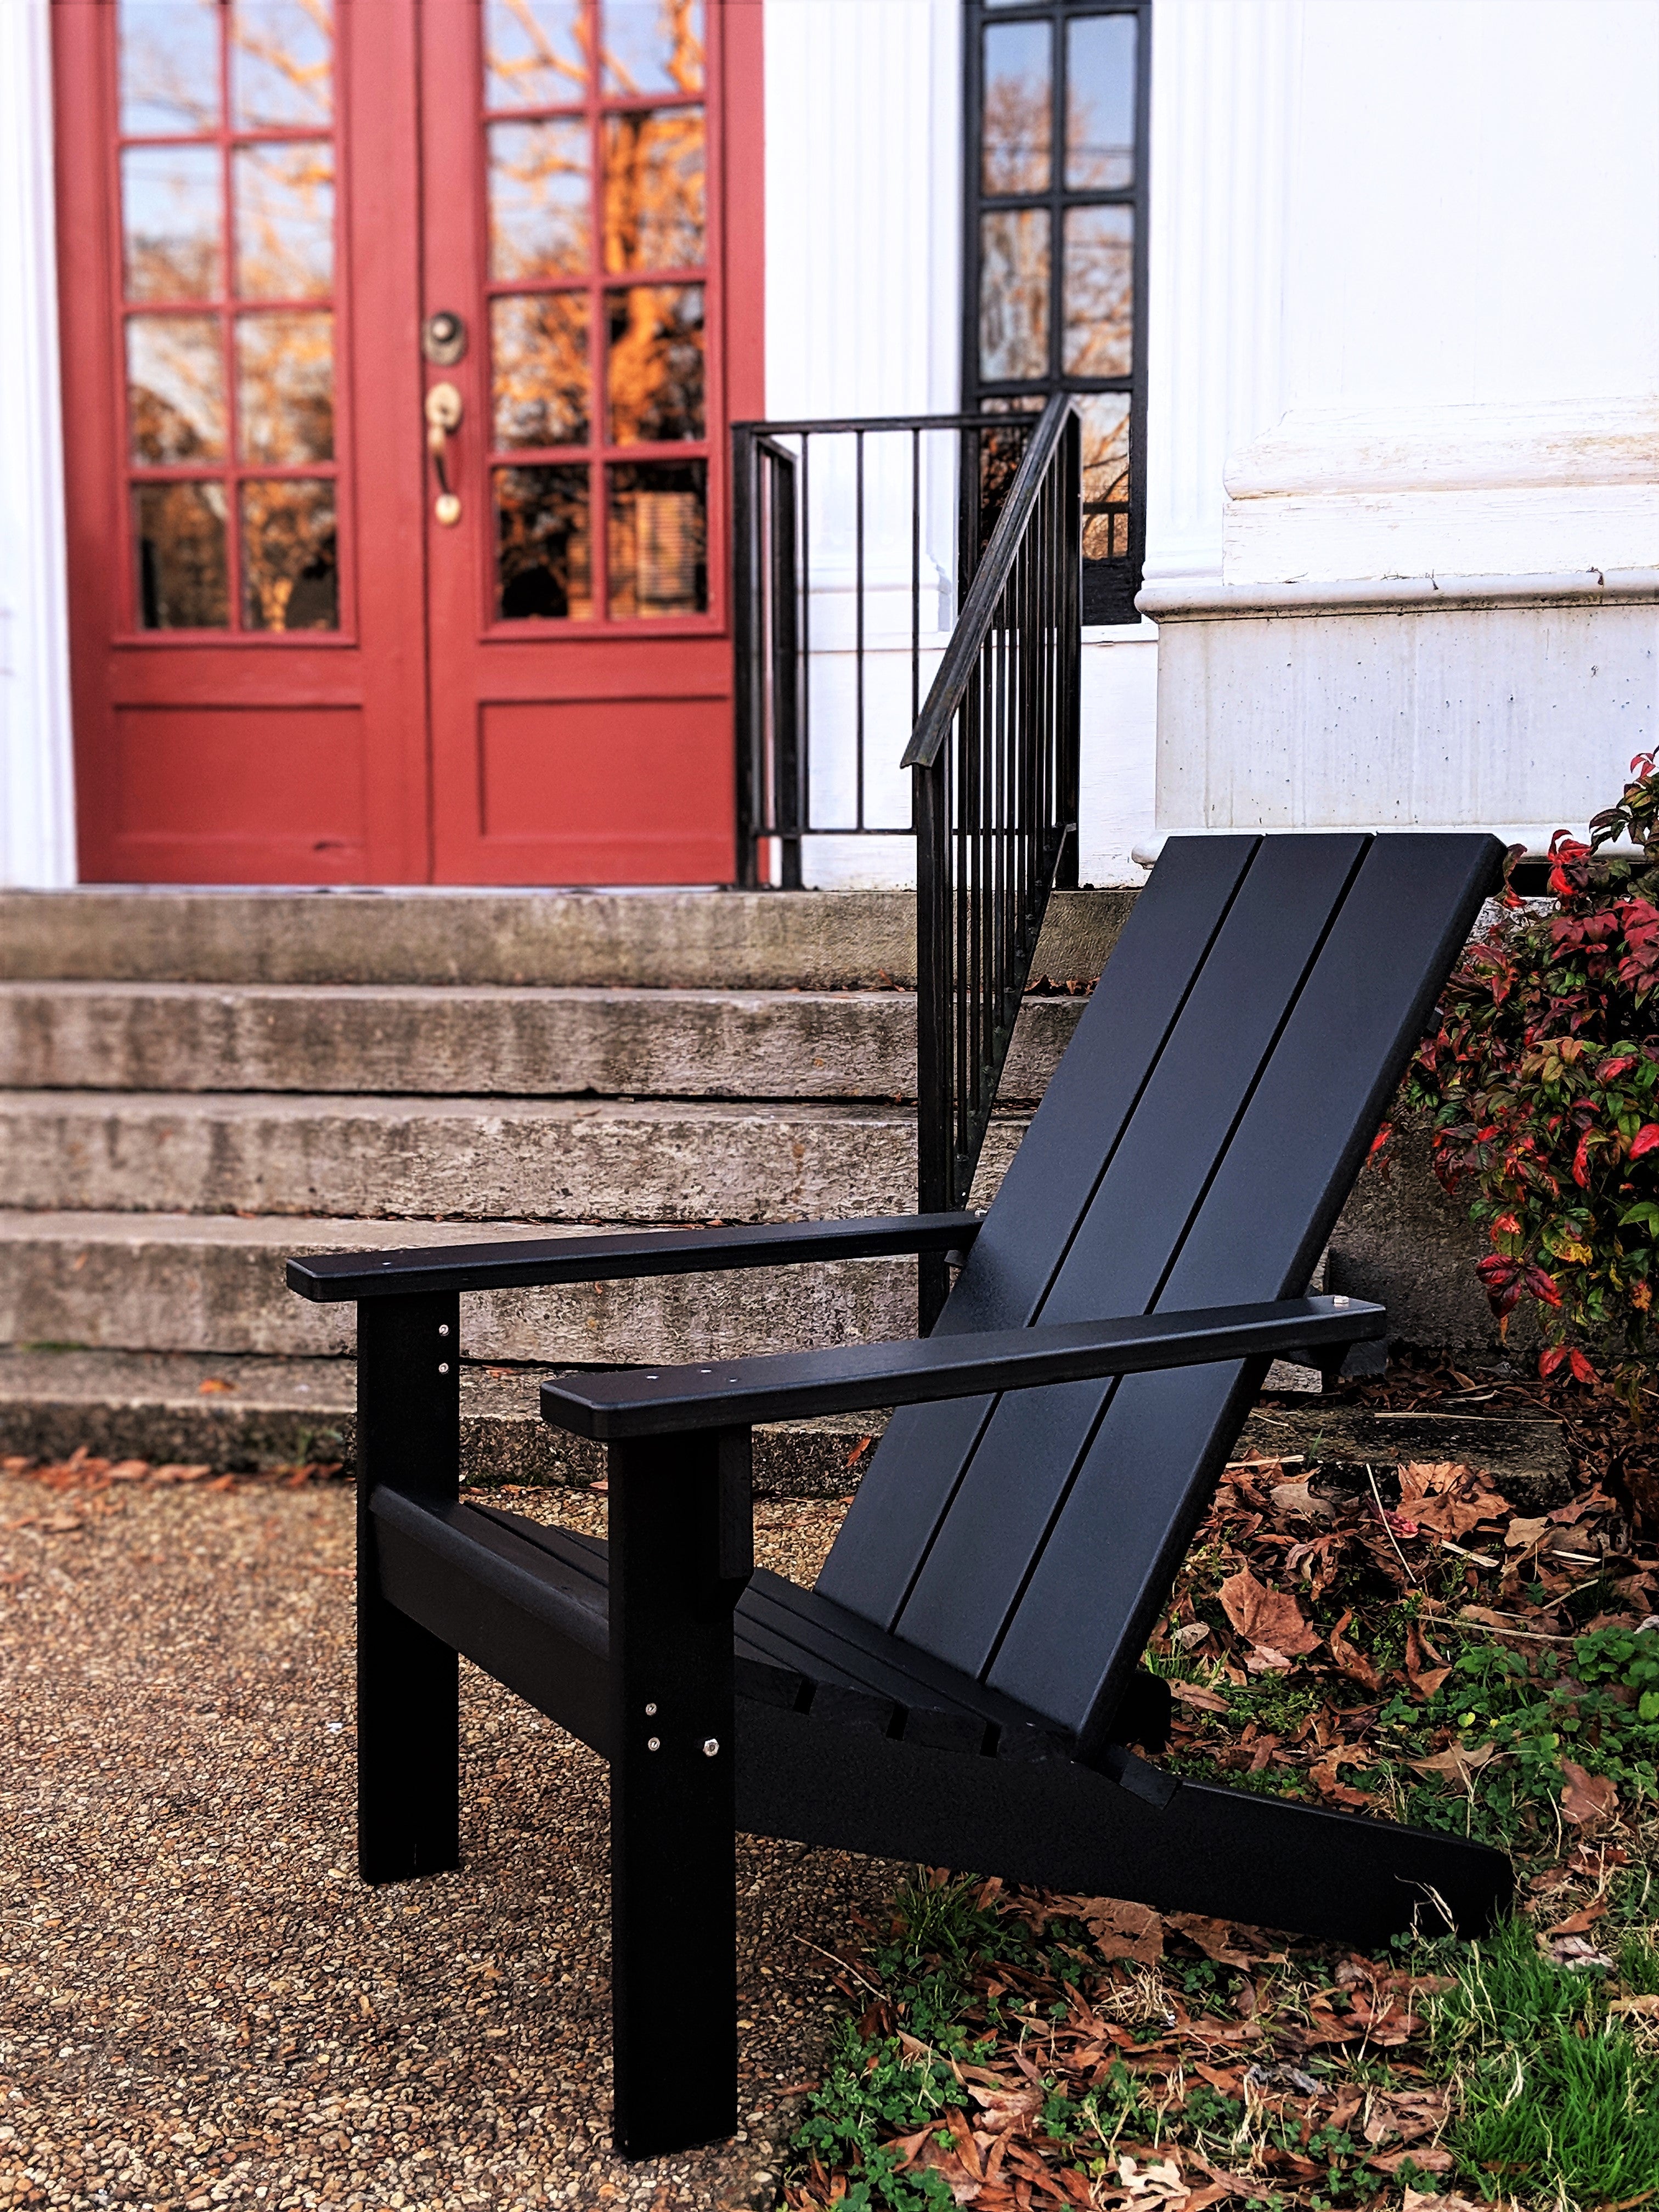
point(474, 1159)
point(698, 940)
point(244, 1413)
point(490, 1040)
point(213, 1283)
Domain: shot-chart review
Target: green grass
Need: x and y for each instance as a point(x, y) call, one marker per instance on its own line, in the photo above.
point(1553, 2092)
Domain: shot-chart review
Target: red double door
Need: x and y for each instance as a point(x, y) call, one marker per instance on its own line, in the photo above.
point(400, 337)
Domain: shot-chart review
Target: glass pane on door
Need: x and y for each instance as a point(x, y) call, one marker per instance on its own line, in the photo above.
point(597, 307)
point(228, 225)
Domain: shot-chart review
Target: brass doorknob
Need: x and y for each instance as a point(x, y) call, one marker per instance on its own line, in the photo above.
point(443, 415)
point(443, 407)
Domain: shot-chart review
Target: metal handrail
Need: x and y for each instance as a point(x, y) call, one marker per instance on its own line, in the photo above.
point(994, 754)
point(954, 671)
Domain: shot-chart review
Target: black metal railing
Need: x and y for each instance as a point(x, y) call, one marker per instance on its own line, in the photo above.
point(994, 752)
point(852, 547)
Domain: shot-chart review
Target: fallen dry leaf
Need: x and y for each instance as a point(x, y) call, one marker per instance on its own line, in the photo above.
point(1122, 1929)
point(1522, 1534)
point(1426, 2158)
point(1151, 2182)
point(1324, 1777)
point(1270, 1619)
point(1415, 2201)
point(1188, 1694)
point(1573, 1951)
point(1588, 1799)
point(1644, 2007)
point(1229, 1942)
point(1459, 1760)
point(1424, 1669)
point(1351, 1659)
point(1447, 1500)
point(1576, 1923)
point(1297, 1498)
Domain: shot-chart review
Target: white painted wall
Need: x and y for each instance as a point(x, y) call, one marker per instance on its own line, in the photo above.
point(1404, 311)
point(37, 805)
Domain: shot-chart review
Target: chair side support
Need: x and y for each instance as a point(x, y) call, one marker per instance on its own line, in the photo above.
point(409, 1438)
point(679, 1512)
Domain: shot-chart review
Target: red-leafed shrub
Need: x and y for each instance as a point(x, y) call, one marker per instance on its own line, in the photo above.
point(1540, 1076)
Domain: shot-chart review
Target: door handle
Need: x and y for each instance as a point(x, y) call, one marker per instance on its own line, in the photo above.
point(443, 414)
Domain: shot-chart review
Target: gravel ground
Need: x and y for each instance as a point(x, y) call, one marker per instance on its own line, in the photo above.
point(199, 2003)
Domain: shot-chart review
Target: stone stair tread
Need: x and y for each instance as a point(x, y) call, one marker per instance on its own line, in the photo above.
point(239, 1413)
point(732, 939)
point(501, 1041)
point(627, 1160)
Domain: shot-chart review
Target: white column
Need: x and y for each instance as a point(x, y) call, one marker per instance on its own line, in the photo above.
point(37, 792)
point(1226, 76)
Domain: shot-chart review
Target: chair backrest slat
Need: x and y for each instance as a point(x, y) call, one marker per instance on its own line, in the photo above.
point(909, 1482)
point(1044, 1530)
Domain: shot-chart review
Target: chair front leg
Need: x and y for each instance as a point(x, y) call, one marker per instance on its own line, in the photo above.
point(680, 1534)
point(408, 1428)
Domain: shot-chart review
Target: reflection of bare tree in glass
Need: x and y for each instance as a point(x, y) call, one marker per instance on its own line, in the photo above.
point(281, 54)
point(539, 353)
point(277, 83)
point(285, 388)
point(180, 530)
point(1013, 294)
point(538, 74)
point(679, 49)
point(1018, 131)
point(1100, 278)
point(655, 363)
point(175, 390)
point(542, 544)
point(653, 189)
point(538, 198)
point(169, 62)
point(285, 220)
point(1106, 476)
point(289, 556)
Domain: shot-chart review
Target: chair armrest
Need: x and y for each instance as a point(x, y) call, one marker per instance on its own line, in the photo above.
point(793, 1386)
point(526, 1263)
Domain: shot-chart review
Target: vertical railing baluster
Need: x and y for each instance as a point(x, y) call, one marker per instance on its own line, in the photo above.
point(858, 616)
point(804, 756)
point(915, 575)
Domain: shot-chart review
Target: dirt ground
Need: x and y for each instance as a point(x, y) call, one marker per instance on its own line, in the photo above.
point(200, 2004)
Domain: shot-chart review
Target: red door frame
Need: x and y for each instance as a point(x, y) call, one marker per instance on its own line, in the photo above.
point(191, 764)
point(585, 751)
point(161, 717)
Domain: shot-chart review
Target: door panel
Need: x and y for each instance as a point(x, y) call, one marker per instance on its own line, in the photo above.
point(576, 222)
point(304, 648)
point(245, 522)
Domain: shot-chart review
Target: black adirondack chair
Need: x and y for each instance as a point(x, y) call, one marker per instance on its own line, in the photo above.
point(961, 1687)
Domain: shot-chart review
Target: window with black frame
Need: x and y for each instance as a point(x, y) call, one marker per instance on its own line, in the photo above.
point(1056, 249)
